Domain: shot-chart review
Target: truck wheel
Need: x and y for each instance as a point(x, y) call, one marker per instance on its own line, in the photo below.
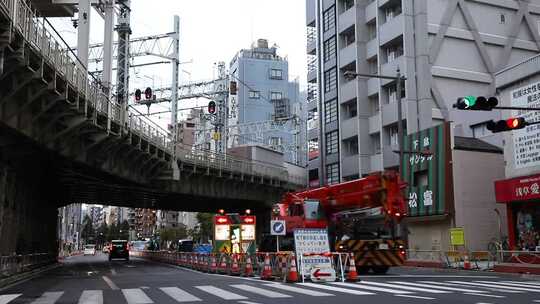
point(362, 270)
point(380, 269)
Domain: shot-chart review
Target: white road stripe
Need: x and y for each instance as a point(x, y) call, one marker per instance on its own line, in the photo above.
point(218, 292)
point(459, 285)
point(136, 296)
point(338, 289)
point(438, 287)
point(4, 299)
point(372, 288)
point(91, 297)
point(484, 295)
point(179, 295)
point(49, 297)
point(404, 287)
point(416, 297)
point(536, 301)
point(300, 290)
point(525, 282)
point(110, 283)
point(248, 302)
point(535, 287)
point(492, 285)
point(260, 291)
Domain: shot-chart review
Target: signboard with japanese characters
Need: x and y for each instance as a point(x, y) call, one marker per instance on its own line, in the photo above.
point(312, 242)
point(526, 141)
point(427, 171)
point(518, 189)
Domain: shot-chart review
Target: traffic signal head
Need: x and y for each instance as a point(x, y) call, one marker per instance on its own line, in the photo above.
point(479, 103)
point(138, 94)
point(212, 107)
point(148, 93)
point(507, 125)
point(233, 88)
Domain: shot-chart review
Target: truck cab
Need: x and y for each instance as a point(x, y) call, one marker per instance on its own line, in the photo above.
point(302, 213)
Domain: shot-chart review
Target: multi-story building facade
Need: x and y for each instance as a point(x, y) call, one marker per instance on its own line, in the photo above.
point(145, 222)
point(445, 49)
point(70, 225)
point(97, 215)
point(265, 95)
point(188, 219)
point(166, 219)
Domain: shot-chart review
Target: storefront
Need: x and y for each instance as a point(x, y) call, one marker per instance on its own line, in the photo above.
point(522, 198)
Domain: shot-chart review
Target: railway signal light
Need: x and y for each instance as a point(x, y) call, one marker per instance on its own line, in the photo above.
point(233, 88)
point(148, 93)
point(510, 124)
point(212, 107)
point(475, 103)
point(138, 94)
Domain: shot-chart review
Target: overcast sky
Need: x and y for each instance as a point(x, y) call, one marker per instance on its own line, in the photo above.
point(211, 31)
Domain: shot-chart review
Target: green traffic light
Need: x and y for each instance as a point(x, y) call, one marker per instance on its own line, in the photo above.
point(470, 101)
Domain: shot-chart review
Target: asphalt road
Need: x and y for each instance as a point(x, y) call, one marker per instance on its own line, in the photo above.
point(93, 279)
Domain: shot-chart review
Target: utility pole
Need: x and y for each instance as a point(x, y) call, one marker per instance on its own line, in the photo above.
point(122, 71)
point(174, 93)
point(83, 32)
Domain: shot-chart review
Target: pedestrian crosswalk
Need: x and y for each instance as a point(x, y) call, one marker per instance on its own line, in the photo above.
point(252, 290)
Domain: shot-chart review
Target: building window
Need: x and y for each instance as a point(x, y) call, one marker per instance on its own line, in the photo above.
point(350, 146)
point(392, 12)
point(349, 109)
point(372, 30)
point(276, 95)
point(332, 142)
point(348, 36)
point(347, 4)
point(330, 80)
point(276, 74)
point(376, 143)
point(330, 49)
point(393, 135)
point(313, 149)
point(275, 141)
point(392, 93)
point(254, 94)
point(329, 19)
point(332, 173)
point(393, 52)
point(330, 111)
point(313, 120)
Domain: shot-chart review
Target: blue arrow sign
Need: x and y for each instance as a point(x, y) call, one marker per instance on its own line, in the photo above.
point(278, 227)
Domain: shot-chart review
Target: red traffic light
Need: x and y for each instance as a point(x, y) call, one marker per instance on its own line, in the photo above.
point(148, 93)
point(510, 124)
point(515, 123)
point(212, 107)
point(138, 94)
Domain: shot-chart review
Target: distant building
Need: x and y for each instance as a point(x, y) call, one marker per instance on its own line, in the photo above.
point(145, 222)
point(188, 219)
point(70, 225)
point(166, 219)
point(265, 95)
point(96, 214)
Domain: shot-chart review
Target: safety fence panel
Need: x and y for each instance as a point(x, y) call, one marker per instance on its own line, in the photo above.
point(11, 265)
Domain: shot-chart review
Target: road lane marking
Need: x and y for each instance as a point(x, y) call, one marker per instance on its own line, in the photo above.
point(484, 295)
point(372, 288)
point(136, 296)
point(404, 287)
point(113, 272)
point(260, 291)
point(4, 299)
point(300, 290)
point(338, 289)
point(248, 302)
point(536, 301)
point(536, 287)
point(438, 287)
point(91, 297)
point(110, 283)
point(493, 285)
point(218, 292)
point(525, 282)
point(415, 297)
point(49, 297)
point(179, 295)
point(432, 276)
point(459, 285)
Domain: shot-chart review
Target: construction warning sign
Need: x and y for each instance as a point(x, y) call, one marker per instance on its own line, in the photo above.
point(309, 245)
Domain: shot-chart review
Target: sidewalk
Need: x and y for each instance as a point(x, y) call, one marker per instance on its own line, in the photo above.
point(516, 268)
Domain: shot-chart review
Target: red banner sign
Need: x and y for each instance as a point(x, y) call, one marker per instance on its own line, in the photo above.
point(518, 189)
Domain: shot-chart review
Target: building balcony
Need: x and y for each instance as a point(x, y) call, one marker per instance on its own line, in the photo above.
point(347, 90)
point(312, 104)
point(390, 68)
point(389, 112)
point(313, 133)
point(391, 29)
point(311, 12)
point(391, 159)
point(375, 123)
point(347, 55)
point(312, 76)
point(346, 19)
point(371, 11)
point(311, 47)
point(349, 127)
point(372, 48)
point(373, 86)
point(376, 162)
point(350, 165)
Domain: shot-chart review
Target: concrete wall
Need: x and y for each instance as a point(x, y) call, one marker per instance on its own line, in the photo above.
point(429, 235)
point(28, 218)
point(474, 196)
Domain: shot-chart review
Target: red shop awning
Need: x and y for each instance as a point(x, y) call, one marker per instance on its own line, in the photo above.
point(518, 189)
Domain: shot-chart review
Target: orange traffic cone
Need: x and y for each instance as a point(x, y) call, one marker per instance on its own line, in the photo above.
point(248, 270)
point(213, 263)
point(235, 268)
point(466, 263)
point(267, 270)
point(292, 275)
point(223, 265)
point(352, 275)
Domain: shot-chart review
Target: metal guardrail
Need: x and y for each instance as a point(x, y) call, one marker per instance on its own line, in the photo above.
point(11, 265)
point(519, 257)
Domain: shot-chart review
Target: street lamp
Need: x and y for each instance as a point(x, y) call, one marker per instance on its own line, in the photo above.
point(398, 78)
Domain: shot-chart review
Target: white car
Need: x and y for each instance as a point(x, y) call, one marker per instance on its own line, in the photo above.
point(90, 250)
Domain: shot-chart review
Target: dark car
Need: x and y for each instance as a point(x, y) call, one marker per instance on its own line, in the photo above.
point(119, 249)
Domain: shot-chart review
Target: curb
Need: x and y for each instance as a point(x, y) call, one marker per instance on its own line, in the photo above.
point(17, 278)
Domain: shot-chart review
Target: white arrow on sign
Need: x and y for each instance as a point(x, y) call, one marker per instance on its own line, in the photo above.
point(277, 227)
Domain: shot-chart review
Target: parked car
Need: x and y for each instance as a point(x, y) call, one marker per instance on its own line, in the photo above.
point(90, 249)
point(185, 245)
point(119, 250)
